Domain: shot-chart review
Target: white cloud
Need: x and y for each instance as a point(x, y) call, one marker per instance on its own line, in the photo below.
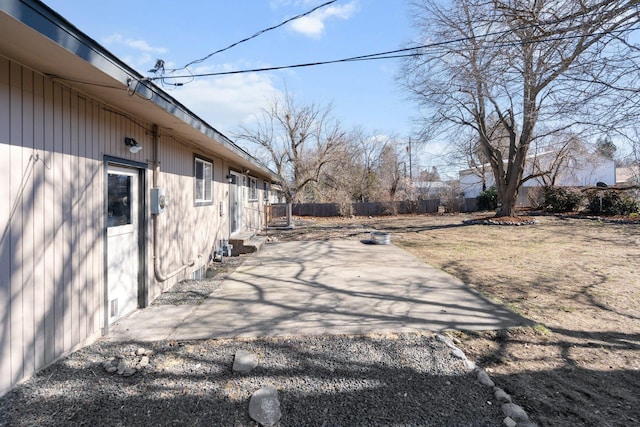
point(139, 45)
point(137, 53)
point(226, 101)
point(222, 101)
point(313, 25)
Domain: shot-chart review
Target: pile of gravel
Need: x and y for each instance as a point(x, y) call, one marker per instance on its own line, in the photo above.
point(393, 379)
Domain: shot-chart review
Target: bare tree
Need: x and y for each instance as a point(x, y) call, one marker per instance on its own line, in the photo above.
point(468, 150)
point(391, 170)
point(367, 150)
point(520, 64)
point(368, 168)
point(298, 141)
point(340, 181)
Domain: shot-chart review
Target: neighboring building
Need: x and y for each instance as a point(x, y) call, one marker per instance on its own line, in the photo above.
point(628, 176)
point(578, 170)
point(92, 227)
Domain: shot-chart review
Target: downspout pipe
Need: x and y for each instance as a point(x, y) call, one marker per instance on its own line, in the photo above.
point(160, 277)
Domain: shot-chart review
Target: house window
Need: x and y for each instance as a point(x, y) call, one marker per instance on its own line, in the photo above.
point(203, 181)
point(253, 189)
point(266, 190)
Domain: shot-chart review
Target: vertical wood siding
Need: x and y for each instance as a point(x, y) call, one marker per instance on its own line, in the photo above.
point(50, 219)
point(188, 232)
point(52, 146)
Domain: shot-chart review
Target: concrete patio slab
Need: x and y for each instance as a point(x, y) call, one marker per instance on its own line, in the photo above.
point(324, 287)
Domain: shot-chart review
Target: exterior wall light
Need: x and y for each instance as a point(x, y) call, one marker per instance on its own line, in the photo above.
point(133, 145)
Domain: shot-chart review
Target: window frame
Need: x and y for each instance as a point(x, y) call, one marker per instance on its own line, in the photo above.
point(265, 189)
point(205, 162)
point(252, 188)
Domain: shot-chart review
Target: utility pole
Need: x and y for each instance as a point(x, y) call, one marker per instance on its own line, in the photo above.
point(410, 163)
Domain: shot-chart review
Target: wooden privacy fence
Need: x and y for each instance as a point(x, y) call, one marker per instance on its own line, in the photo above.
point(366, 209)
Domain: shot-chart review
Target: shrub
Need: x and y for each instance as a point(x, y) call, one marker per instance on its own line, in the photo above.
point(559, 199)
point(488, 199)
point(611, 203)
point(535, 195)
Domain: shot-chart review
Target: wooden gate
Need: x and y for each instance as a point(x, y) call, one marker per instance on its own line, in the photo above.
point(278, 215)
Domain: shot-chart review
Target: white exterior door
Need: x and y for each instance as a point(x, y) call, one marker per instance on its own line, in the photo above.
point(236, 195)
point(122, 242)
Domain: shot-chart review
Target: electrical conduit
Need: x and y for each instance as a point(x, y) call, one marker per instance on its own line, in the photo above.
point(160, 277)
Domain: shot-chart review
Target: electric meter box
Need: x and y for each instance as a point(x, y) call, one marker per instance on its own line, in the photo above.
point(159, 201)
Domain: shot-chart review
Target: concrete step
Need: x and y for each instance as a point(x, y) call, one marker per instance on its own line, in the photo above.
point(246, 243)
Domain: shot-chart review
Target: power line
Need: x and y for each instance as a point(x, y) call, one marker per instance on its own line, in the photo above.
point(198, 61)
point(394, 54)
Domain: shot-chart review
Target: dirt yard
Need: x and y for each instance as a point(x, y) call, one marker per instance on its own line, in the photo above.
point(577, 279)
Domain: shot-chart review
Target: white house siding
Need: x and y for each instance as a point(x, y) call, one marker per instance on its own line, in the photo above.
point(187, 233)
point(190, 233)
point(253, 210)
point(53, 143)
point(51, 220)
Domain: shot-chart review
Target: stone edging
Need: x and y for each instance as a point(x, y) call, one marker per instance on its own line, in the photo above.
point(498, 222)
point(515, 415)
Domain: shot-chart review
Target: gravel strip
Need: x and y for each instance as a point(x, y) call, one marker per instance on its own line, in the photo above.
point(193, 292)
point(391, 379)
point(187, 292)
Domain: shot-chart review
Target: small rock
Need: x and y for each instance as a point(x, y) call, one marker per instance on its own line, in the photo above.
point(445, 340)
point(121, 368)
point(244, 362)
point(144, 361)
point(515, 412)
point(509, 422)
point(470, 365)
point(264, 406)
point(458, 353)
point(501, 395)
point(484, 378)
point(128, 372)
point(141, 352)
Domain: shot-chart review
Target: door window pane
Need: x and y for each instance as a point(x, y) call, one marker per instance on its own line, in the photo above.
point(119, 197)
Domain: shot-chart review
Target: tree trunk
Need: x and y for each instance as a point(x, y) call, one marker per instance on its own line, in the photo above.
point(506, 203)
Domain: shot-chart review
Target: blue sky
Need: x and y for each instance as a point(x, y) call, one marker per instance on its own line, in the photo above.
point(363, 94)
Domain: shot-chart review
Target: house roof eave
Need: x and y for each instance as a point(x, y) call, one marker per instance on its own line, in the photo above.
point(61, 51)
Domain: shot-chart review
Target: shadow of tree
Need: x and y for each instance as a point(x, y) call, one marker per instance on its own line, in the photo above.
point(560, 387)
point(346, 380)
